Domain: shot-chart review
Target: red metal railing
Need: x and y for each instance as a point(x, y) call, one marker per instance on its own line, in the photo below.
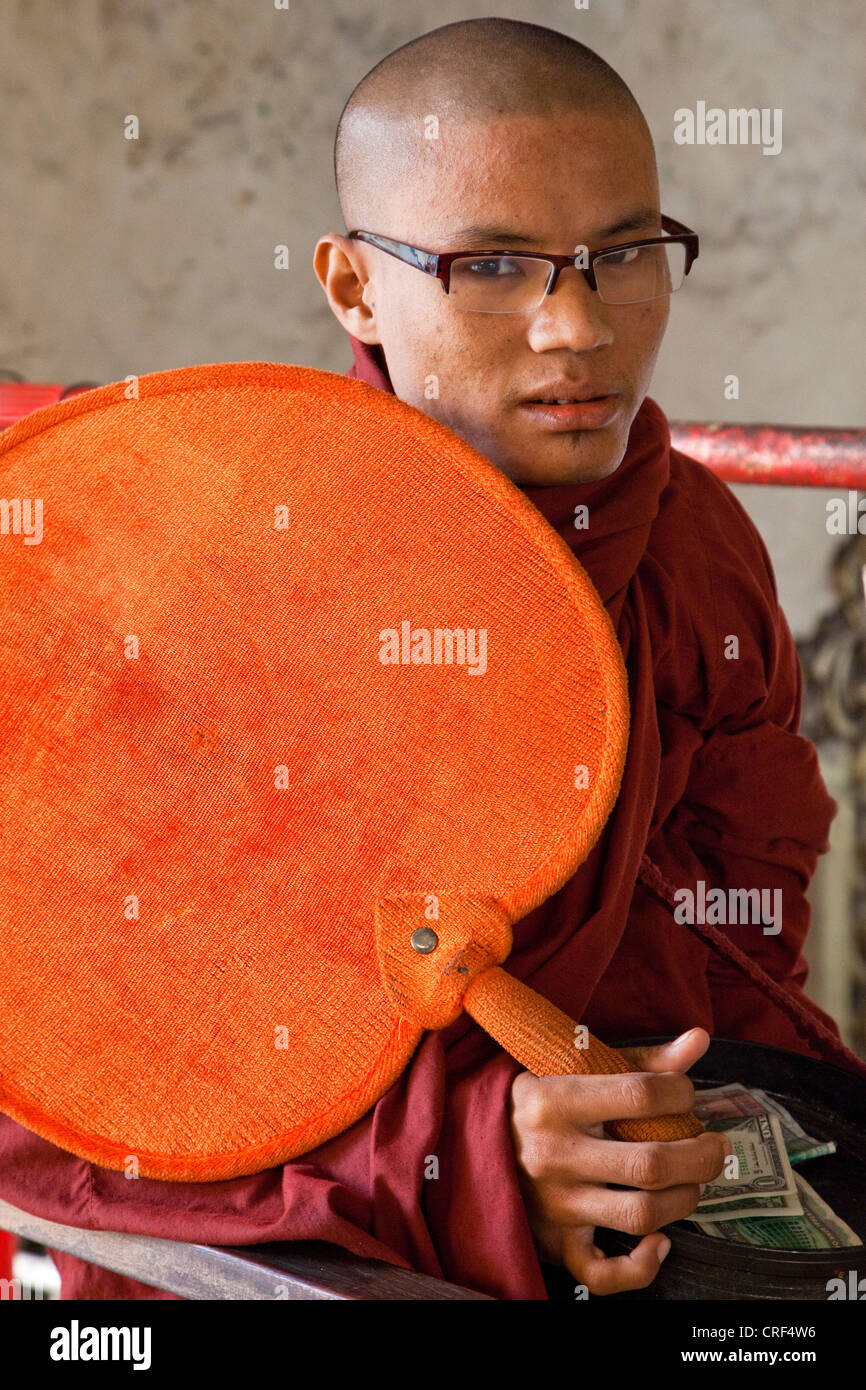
point(18, 398)
point(7, 1250)
point(777, 454)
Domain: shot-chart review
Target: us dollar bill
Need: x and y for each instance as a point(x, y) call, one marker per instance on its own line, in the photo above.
point(799, 1145)
point(728, 1102)
point(763, 1167)
point(788, 1204)
point(818, 1228)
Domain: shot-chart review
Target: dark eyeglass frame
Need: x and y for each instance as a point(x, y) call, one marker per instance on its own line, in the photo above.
point(439, 263)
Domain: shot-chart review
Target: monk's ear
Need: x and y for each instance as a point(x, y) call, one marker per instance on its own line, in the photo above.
point(341, 269)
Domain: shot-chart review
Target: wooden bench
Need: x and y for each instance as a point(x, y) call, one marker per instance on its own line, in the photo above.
point(295, 1270)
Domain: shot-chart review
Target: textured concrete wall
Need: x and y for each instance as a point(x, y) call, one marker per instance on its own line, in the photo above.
point(132, 256)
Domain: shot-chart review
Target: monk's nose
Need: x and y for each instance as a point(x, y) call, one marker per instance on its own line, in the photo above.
point(572, 316)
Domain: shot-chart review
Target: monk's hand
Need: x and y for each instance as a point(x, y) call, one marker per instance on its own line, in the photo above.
point(564, 1162)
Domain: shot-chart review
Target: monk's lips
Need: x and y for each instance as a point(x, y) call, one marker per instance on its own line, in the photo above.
point(592, 414)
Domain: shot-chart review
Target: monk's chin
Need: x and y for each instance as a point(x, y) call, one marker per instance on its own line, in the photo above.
point(563, 466)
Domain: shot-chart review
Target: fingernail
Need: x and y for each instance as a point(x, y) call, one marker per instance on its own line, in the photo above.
point(663, 1249)
point(702, 1187)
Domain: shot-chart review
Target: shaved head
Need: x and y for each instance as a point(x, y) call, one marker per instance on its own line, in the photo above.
point(489, 139)
point(473, 72)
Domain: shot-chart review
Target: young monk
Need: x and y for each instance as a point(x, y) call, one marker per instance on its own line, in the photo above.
point(536, 145)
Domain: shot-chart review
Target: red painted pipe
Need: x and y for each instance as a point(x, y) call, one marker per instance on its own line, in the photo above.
point(7, 1250)
point(779, 454)
point(19, 398)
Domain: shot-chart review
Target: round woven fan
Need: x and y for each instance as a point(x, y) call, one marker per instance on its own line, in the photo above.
point(303, 704)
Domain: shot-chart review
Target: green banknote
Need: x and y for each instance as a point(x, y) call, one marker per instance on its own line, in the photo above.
point(819, 1228)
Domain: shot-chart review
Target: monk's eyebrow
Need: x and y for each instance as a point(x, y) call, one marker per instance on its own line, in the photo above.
point(488, 235)
point(479, 235)
point(638, 221)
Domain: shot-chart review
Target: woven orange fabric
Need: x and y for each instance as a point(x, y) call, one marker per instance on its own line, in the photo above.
point(246, 706)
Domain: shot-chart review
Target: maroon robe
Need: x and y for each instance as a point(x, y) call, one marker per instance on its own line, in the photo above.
point(718, 786)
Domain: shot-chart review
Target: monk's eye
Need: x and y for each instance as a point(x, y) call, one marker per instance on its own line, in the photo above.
point(623, 258)
point(492, 268)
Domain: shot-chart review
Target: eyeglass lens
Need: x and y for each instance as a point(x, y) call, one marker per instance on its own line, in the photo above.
point(508, 284)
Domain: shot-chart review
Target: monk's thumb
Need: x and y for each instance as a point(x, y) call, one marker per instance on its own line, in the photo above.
point(677, 1055)
point(686, 1049)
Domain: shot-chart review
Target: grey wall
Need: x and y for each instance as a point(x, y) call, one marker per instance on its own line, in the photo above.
point(133, 256)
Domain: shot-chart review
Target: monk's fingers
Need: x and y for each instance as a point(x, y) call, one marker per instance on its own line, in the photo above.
point(636, 1212)
point(581, 1101)
point(649, 1165)
point(605, 1274)
point(677, 1055)
point(631, 1210)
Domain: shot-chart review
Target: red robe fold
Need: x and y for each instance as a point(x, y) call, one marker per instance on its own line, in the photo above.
point(718, 786)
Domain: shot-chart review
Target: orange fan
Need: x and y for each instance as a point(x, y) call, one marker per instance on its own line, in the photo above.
point(303, 704)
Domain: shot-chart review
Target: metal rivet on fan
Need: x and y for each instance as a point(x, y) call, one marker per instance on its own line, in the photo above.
point(424, 940)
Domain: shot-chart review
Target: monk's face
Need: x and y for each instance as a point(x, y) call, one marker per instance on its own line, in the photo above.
point(555, 183)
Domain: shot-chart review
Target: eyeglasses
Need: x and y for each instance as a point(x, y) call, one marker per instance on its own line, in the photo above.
point(498, 282)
